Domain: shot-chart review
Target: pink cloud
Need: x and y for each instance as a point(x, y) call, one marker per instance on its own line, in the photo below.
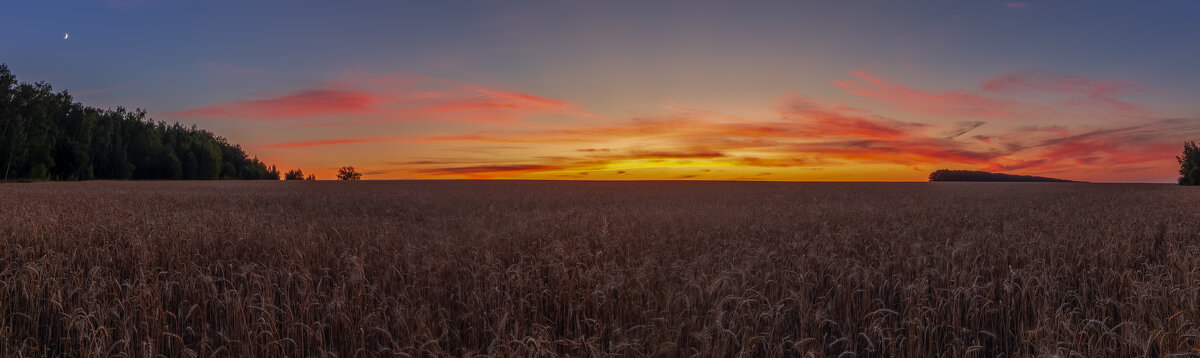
point(300, 104)
point(325, 142)
point(1057, 83)
point(946, 103)
point(832, 120)
point(365, 98)
point(1097, 94)
point(1069, 97)
point(1121, 145)
point(523, 99)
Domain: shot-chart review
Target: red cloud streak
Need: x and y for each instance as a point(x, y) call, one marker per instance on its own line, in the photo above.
point(317, 143)
point(389, 98)
point(301, 104)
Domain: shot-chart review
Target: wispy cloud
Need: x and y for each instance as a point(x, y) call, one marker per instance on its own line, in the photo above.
point(306, 103)
point(363, 98)
point(325, 142)
point(1000, 97)
point(942, 103)
point(1057, 83)
point(1090, 93)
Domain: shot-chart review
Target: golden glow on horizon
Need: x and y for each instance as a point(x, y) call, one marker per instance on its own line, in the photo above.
point(689, 171)
point(488, 133)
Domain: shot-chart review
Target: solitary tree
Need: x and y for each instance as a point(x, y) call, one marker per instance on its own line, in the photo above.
point(311, 177)
point(294, 174)
point(1189, 164)
point(348, 173)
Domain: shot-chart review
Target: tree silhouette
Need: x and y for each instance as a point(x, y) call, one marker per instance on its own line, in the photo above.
point(1189, 164)
point(972, 175)
point(311, 177)
point(348, 173)
point(294, 174)
point(46, 135)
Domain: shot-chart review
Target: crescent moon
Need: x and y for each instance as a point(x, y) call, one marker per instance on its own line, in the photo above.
point(66, 36)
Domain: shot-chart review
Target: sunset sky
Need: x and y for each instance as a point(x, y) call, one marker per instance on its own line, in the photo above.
point(746, 90)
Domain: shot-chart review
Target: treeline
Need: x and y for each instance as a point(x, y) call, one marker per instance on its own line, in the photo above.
point(47, 136)
point(972, 175)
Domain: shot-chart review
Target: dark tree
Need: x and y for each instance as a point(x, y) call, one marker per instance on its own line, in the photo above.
point(1189, 164)
point(348, 173)
point(45, 135)
point(972, 175)
point(311, 177)
point(294, 174)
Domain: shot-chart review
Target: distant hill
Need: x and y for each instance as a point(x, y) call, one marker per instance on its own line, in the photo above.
point(973, 175)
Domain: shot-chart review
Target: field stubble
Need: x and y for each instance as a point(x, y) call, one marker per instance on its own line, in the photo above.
point(505, 268)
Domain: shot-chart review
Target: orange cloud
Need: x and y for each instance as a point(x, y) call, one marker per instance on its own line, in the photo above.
point(483, 171)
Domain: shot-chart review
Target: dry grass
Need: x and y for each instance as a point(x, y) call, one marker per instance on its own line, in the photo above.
point(593, 268)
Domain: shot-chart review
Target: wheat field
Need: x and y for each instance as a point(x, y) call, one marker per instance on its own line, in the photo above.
point(528, 268)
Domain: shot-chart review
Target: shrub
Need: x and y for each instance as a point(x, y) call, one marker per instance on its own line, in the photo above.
point(348, 173)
